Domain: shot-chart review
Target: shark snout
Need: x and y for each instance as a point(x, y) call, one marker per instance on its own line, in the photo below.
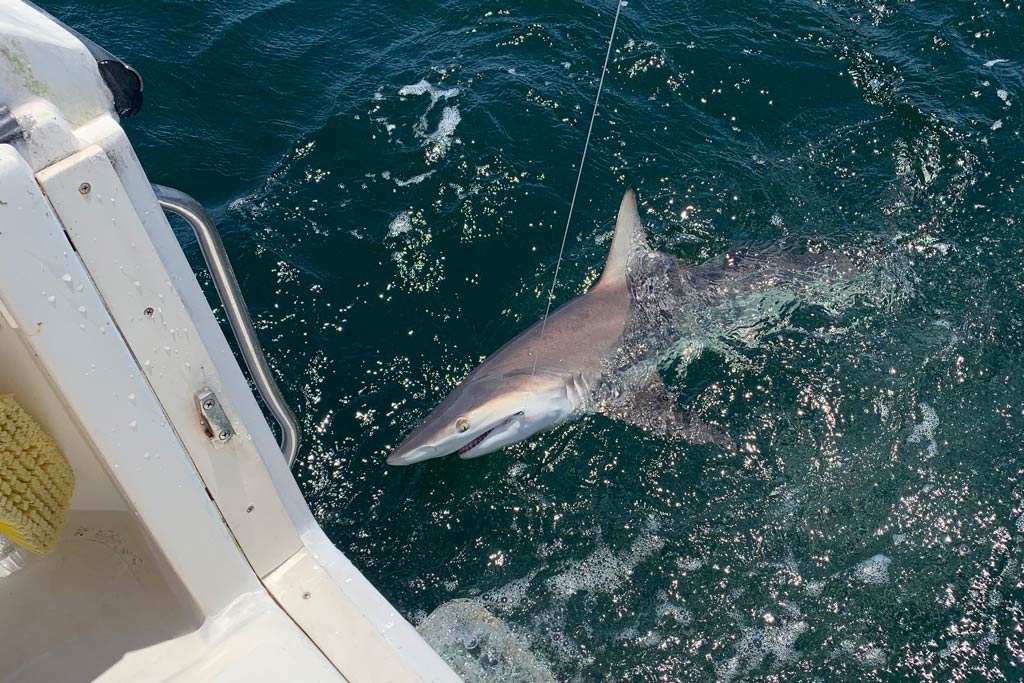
point(405, 455)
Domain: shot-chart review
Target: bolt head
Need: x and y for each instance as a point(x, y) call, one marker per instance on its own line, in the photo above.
point(224, 435)
point(149, 312)
point(208, 403)
point(84, 188)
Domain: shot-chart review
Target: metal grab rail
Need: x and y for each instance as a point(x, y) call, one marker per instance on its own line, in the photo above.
point(224, 280)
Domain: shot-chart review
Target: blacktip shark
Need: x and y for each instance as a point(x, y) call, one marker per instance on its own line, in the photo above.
point(551, 372)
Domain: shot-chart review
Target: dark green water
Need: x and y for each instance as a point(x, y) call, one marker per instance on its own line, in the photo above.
point(869, 529)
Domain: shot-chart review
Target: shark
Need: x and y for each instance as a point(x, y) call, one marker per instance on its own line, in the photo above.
point(587, 356)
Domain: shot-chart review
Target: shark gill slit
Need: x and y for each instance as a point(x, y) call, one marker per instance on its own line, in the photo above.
point(579, 176)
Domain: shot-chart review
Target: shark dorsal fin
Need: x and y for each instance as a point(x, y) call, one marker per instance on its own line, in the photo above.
point(628, 239)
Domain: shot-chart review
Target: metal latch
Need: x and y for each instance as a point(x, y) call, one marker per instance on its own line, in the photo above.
point(212, 417)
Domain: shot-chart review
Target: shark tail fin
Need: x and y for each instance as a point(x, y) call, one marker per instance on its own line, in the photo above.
point(629, 238)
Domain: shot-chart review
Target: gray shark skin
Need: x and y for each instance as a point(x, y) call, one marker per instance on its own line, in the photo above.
point(600, 351)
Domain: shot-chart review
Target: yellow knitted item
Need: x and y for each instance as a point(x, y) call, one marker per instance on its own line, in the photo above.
point(36, 481)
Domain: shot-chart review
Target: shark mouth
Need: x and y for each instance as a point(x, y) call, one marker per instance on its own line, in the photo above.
point(476, 442)
point(483, 435)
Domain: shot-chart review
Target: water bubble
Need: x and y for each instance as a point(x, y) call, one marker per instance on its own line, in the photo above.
point(873, 571)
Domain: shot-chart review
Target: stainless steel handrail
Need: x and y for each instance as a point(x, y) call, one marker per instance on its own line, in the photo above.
point(224, 280)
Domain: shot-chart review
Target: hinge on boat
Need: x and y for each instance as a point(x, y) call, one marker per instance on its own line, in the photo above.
point(10, 129)
point(212, 417)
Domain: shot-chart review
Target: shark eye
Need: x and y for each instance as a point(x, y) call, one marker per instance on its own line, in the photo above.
point(462, 424)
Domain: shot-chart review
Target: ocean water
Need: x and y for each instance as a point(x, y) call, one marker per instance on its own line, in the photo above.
point(392, 180)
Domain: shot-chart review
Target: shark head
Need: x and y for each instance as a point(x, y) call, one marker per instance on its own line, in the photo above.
point(542, 376)
point(489, 411)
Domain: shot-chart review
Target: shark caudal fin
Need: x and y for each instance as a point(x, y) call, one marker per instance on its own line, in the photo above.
point(628, 239)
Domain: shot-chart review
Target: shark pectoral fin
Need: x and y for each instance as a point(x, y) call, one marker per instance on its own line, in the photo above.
point(649, 406)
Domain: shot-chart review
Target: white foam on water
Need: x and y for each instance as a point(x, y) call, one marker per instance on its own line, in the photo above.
point(438, 142)
point(867, 656)
point(788, 509)
point(402, 223)
point(510, 596)
point(600, 572)
point(558, 643)
point(771, 645)
point(480, 647)
point(689, 564)
point(925, 430)
point(1003, 95)
point(604, 572)
point(996, 125)
point(516, 470)
point(441, 139)
point(645, 639)
point(424, 87)
point(669, 608)
point(992, 62)
point(874, 570)
point(415, 180)
point(388, 126)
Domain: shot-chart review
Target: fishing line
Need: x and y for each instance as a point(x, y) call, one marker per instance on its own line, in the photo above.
point(579, 176)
